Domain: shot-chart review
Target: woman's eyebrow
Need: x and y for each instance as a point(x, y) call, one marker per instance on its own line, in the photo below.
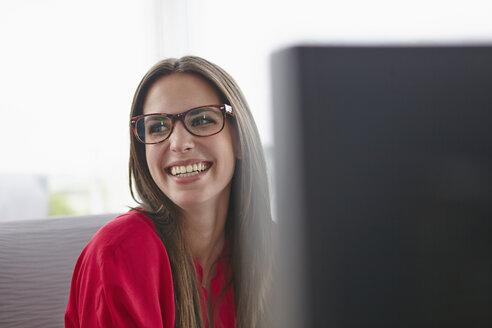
point(156, 117)
point(198, 109)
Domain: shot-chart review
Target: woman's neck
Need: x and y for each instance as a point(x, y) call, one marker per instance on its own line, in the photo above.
point(204, 229)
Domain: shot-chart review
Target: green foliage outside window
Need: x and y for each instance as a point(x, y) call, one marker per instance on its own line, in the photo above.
point(60, 206)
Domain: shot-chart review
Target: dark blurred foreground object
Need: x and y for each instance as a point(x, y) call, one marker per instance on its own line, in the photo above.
point(384, 186)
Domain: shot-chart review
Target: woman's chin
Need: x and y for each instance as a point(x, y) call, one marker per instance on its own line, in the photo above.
point(193, 199)
point(188, 199)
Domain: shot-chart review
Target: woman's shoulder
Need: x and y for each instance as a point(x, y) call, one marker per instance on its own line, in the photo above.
point(132, 232)
point(126, 225)
point(122, 275)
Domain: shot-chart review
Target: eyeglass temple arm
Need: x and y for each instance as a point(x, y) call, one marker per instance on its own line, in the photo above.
point(228, 109)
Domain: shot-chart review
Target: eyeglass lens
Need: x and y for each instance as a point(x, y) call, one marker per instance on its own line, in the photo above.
point(203, 121)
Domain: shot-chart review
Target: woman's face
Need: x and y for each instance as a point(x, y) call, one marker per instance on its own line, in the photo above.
point(173, 94)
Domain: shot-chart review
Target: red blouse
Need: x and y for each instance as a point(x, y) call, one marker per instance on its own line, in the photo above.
point(123, 279)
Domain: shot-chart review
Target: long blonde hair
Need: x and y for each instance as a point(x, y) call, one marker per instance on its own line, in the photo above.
point(249, 222)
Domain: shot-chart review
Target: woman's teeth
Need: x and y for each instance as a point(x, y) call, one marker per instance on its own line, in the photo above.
point(188, 170)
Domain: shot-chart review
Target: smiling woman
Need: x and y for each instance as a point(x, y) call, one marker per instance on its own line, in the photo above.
point(185, 256)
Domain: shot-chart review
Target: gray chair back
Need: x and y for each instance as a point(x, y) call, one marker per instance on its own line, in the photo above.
point(37, 259)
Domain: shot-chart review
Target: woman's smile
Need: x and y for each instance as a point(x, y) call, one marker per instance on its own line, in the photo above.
point(186, 172)
point(188, 169)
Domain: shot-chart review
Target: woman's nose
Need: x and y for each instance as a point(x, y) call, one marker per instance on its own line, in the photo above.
point(180, 139)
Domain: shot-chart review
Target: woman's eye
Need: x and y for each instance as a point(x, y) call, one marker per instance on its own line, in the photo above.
point(158, 128)
point(202, 120)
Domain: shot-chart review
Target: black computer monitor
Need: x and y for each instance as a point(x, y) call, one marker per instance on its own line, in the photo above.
point(383, 170)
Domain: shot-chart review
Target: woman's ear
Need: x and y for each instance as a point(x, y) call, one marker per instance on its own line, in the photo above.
point(237, 152)
point(237, 146)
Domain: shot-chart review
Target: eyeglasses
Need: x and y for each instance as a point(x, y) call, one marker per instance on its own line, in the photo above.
point(201, 121)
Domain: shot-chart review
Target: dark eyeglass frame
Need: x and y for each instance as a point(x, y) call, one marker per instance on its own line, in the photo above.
point(224, 108)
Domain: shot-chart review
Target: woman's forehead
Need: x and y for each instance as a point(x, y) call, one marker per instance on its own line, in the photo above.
point(179, 92)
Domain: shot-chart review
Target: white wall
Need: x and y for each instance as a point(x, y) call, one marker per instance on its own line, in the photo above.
point(69, 68)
